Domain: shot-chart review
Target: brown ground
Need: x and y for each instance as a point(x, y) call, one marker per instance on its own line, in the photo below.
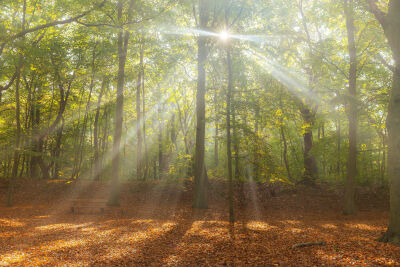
point(156, 225)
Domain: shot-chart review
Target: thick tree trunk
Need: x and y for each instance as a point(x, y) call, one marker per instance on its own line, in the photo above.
point(391, 25)
point(200, 185)
point(349, 196)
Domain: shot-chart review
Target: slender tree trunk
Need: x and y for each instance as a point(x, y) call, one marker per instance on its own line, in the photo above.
point(228, 136)
point(57, 150)
point(349, 196)
point(97, 167)
point(285, 157)
point(86, 116)
point(216, 159)
point(235, 138)
point(200, 185)
point(145, 169)
point(173, 133)
point(338, 134)
point(310, 164)
point(138, 121)
point(160, 152)
point(14, 172)
point(123, 39)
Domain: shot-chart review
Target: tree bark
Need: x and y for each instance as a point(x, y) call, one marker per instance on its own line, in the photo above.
point(349, 196)
point(200, 185)
point(123, 39)
point(138, 121)
point(310, 164)
point(228, 136)
point(285, 157)
point(97, 168)
point(14, 172)
point(391, 26)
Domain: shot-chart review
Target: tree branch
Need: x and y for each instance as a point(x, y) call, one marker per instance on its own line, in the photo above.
point(50, 24)
point(3, 88)
point(379, 14)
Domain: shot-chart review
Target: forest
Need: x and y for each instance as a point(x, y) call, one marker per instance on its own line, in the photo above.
point(199, 132)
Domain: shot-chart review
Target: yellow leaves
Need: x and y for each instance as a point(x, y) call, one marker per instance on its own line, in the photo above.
point(305, 128)
point(363, 147)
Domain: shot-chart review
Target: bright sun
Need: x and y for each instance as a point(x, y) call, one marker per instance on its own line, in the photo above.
point(224, 35)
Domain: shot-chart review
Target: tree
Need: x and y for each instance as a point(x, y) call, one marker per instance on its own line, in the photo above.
point(349, 201)
point(123, 40)
point(200, 193)
point(391, 27)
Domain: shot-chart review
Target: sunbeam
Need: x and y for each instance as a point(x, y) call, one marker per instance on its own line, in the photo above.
point(291, 81)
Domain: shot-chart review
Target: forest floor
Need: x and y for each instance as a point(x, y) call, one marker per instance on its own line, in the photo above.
point(156, 226)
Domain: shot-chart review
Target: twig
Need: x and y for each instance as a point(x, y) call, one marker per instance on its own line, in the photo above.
point(308, 244)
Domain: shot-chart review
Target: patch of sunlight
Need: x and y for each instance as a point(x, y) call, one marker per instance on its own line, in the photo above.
point(14, 257)
point(147, 234)
point(89, 229)
point(117, 253)
point(363, 226)
point(172, 260)
point(41, 216)
point(259, 226)
point(60, 226)
point(328, 226)
point(11, 222)
point(385, 261)
point(291, 222)
point(295, 230)
point(142, 221)
point(8, 234)
point(60, 244)
point(209, 228)
point(328, 257)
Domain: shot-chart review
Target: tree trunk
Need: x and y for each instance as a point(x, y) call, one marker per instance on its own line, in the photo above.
point(228, 136)
point(349, 196)
point(160, 151)
point(145, 167)
point(14, 172)
point(391, 26)
point(200, 185)
point(123, 39)
point(57, 150)
point(310, 164)
point(138, 121)
point(235, 137)
point(285, 157)
point(97, 168)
